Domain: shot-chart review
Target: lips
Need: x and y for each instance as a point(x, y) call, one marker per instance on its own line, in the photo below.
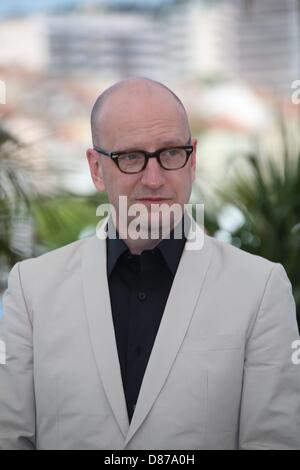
point(146, 199)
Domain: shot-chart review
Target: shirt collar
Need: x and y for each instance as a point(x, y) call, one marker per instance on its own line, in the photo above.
point(171, 249)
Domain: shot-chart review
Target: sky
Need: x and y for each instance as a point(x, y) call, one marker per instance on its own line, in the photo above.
point(12, 7)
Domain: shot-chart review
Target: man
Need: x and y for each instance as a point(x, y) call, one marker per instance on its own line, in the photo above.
point(146, 342)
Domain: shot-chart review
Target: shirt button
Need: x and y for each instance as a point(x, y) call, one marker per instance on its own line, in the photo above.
point(142, 295)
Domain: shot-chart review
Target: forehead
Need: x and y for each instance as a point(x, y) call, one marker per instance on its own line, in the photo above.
point(140, 117)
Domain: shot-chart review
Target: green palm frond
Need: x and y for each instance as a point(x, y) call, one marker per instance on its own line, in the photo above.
point(268, 195)
point(33, 221)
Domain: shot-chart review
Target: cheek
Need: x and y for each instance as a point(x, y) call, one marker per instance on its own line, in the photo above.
point(190, 176)
point(181, 184)
point(120, 184)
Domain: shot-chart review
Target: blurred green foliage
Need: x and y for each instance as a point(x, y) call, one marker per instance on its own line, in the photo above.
point(267, 195)
point(14, 194)
point(56, 218)
point(65, 218)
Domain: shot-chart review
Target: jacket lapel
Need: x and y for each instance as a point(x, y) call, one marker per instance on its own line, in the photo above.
point(101, 328)
point(177, 316)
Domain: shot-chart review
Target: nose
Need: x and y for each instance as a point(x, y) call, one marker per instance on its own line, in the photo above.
point(153, 175)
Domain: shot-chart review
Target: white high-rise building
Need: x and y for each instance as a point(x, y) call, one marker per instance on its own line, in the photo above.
point(256, 40)
point(108, 45)
point(115, 45)
point(269, 43)
point(184, 40)
point(23, 43)
point(214, 38)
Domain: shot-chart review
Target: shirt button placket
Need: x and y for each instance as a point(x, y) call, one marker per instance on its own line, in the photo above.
point(142, 295)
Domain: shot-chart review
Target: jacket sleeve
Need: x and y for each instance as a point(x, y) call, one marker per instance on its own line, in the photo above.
point(17, 404)
point(270, 406)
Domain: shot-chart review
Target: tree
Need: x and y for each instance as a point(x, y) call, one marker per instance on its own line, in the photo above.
point(267, 193)
point(14, 196)
point(35, 220)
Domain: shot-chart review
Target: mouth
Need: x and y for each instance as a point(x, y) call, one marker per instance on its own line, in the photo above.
point(153, 199)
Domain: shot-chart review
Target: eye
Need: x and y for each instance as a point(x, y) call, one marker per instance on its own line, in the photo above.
point(172, 152)
point(131, 156)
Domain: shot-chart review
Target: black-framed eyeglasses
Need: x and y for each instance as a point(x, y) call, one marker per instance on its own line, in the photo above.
point(135, 161)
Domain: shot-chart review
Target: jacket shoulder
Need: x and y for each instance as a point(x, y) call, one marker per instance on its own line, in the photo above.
point(231, 258)
point(55, 260)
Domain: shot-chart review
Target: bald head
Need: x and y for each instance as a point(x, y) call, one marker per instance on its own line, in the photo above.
point(132, 90)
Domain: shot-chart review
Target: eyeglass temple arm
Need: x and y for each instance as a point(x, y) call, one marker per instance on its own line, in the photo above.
point(103, 152)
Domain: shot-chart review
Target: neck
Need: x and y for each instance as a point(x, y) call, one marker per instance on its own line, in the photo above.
point(136, 247)
point(147, 240)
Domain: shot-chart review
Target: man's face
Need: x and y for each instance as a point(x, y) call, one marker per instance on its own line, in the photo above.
point(145, 122)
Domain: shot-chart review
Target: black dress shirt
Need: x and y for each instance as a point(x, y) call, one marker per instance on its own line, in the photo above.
point(139, 287)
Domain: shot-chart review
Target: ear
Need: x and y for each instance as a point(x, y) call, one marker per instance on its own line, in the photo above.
point(96, 169)
point(193, 158)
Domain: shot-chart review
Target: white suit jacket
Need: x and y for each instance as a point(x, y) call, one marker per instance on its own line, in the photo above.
point(220, 375)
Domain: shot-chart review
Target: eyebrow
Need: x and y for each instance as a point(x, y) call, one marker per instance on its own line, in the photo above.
point(165, 144)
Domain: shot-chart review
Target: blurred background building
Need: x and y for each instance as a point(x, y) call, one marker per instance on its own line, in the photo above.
point(269, 38)
point(58, 56)
point(257, 41)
